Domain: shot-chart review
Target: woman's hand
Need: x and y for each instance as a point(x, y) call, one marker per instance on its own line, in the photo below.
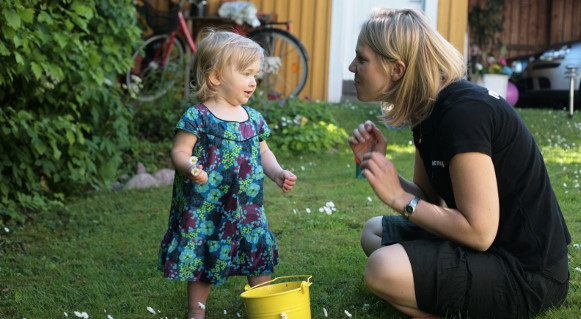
point(383, 178)
point(201, 177)
point(367, 138)
point(285, 180)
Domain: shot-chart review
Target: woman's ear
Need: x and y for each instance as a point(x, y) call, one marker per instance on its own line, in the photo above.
point(214, 77)
point(397, 70)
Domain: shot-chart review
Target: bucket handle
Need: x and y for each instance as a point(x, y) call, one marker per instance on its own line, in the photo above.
point(304, 285)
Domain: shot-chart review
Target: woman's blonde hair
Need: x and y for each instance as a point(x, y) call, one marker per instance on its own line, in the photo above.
point(217, 51)
point(431, 62)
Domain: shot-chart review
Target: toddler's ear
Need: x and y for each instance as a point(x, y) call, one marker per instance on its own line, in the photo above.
point(214, 77)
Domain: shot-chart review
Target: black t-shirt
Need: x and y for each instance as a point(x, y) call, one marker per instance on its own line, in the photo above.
point(469, 118)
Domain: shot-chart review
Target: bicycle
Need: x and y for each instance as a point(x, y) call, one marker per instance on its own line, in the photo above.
point(159, 61)
point(289, 53)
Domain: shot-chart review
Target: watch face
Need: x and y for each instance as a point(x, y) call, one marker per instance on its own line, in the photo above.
point(409, 209)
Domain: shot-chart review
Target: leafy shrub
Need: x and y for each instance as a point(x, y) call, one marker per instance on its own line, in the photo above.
point(152, 129)
point(300, 126)
point(63, 119)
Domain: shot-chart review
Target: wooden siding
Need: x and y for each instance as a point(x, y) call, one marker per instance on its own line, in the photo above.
point(452, 17)
point(311, 23)
point(530, 26)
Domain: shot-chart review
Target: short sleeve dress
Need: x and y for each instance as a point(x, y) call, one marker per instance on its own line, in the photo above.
point(219, 229)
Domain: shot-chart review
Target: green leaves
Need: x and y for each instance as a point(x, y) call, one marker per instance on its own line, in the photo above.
point(301, 127)
point(62, 129)
point(12, 18)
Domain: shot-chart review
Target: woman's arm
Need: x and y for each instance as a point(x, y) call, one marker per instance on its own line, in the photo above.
point(475, 221)
point(283, 178)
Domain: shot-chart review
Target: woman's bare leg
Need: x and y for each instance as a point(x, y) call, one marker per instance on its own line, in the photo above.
point(389, 275)
point(197, 294)
point(371, 235)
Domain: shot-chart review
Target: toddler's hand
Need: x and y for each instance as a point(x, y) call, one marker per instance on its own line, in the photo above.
point(286, 180)
point(198, 176)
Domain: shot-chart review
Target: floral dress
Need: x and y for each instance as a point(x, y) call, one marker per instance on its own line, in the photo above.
point(219, 229)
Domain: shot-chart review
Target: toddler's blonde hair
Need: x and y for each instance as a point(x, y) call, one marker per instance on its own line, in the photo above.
point(217, 51)
point(431, 62)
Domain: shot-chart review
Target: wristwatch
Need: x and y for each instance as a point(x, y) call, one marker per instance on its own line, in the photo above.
point(409, 209)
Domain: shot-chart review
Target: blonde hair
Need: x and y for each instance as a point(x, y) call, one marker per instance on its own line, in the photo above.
point(431, 62)
point(217, 51)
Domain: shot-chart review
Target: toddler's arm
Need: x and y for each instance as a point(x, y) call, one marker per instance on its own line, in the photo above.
point(283, 178)
point(180, 154)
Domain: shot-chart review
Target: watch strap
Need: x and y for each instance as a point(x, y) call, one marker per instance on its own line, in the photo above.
point(409, 209)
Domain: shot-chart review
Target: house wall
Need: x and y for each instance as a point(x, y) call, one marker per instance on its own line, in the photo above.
point(530, 26)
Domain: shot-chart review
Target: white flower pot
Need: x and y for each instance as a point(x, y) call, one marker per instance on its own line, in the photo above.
point(495, 82)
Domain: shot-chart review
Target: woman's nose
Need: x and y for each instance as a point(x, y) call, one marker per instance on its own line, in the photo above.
point(352, 66)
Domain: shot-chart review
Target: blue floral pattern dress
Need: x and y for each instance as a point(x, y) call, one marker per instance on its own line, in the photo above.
point(219, 229)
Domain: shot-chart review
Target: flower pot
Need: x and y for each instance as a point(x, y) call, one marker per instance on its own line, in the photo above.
point(495, 82)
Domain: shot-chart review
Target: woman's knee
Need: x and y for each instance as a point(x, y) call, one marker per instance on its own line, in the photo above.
point(371, 235)
point(388, 268)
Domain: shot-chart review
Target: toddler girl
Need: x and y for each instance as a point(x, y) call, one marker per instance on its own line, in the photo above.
point(217, 226)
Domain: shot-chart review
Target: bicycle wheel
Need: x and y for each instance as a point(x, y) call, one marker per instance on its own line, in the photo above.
point(289, 58)
point(150, 77)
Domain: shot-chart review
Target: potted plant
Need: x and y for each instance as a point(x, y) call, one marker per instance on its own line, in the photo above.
point(490, 71)
point(485, 22)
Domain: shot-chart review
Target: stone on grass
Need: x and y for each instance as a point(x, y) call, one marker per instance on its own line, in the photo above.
point(142, 180)
point(164, 176)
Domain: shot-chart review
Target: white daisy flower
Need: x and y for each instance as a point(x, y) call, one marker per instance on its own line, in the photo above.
point(225, 312)
point(308, 210)
point(325, 312)
point(283, 316)
point(66, 314)
point(348, 314)
point(151, 310)
point(78, 314)
point(6, 229)
point(369, 198)
point(576, 245)
point(195, 171)
point(295, 211)
point(193, 160)
point(578, 268)
point(109, 317)
point(85, 315)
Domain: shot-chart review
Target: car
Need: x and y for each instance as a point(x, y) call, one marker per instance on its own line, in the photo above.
point(548, 75)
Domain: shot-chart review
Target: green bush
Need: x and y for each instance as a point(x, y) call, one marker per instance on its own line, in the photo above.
point(300, 126)
point(63, 118)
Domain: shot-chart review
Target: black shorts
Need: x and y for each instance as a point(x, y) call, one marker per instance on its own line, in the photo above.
point(455, 281)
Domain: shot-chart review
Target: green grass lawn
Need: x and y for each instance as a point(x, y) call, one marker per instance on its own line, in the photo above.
point(100, 257)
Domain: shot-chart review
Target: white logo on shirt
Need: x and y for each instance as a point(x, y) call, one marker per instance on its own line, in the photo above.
point(439, 163)
point(494, 94)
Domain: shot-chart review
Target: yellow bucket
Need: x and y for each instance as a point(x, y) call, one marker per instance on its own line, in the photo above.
point(284, 300)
